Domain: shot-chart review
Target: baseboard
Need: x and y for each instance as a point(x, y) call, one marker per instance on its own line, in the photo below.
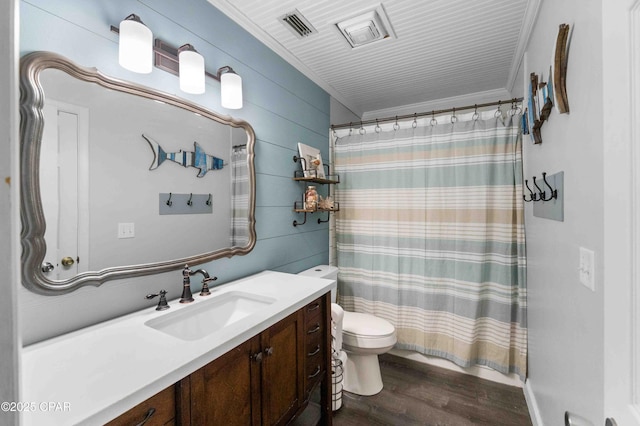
point(478, 371)
point(530, 398)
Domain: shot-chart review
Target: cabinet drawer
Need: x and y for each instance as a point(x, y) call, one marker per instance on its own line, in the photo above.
point(313, 373)
point(160, 409)
point(313, 311)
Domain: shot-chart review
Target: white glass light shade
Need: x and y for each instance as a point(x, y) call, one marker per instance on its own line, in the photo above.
point(191, 69)
point(231, 90)
point(135, 50)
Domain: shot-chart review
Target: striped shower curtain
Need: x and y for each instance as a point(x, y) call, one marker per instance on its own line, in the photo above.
point(430, 236)
point(239, 197)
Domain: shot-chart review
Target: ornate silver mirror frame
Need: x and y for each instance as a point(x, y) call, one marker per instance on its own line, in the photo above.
point(31, 210)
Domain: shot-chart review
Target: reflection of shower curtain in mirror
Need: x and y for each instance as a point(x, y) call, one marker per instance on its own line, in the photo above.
point(239, 196)
point(430, 236)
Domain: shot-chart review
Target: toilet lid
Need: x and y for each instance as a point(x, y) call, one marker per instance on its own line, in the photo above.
point(366, 325)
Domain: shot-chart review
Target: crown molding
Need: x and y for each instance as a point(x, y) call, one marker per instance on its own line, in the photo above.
point(530, 15)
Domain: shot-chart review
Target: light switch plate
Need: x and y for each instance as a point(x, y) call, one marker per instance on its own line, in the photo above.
point(587, 268)
point(126, 230)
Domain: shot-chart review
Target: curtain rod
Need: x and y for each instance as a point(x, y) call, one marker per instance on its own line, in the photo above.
point(422, 114)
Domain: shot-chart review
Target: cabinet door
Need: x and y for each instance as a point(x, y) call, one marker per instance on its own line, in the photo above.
point(282, 370)
point(227, 391)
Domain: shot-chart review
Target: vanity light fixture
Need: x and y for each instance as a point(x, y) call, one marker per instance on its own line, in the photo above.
point(230, 88)
point(188, 64)
point(135, 50)
point(190, 70)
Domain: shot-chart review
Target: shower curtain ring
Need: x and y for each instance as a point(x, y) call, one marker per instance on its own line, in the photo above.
point(362, 130)
point(350, 128)
point(415, 122)
point(498, 112)
point(396, 126)
point(433, 121)
point(454, 118)
point(377, 128)
point(475, 115)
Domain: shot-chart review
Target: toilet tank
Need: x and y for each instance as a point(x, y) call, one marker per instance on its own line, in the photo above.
point(324, 271)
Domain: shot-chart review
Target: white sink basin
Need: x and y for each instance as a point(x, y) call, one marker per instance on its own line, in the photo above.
point(196, 322)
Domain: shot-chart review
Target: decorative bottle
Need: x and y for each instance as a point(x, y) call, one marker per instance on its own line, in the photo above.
point(311, 198)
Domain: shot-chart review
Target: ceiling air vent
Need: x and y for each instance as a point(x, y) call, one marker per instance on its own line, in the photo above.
point(298, 24)
point(367, 27)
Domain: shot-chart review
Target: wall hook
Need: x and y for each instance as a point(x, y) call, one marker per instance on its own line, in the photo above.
point(532, 197)
point(169, 202)
point(554, 192)
point(540, 191)
point(208, 202)
point(189, 202)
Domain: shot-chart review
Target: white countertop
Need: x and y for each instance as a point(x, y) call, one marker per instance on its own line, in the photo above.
point(93, 375)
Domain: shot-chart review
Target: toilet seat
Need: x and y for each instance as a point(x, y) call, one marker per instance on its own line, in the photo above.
point(367, 331)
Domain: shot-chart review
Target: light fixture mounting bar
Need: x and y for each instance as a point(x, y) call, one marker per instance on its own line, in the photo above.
point(166, 57)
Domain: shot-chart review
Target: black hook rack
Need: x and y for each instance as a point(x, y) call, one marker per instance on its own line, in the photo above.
point(541, 194)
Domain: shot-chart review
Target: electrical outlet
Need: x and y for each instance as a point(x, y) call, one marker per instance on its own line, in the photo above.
point(587, 268)
point(126, 230)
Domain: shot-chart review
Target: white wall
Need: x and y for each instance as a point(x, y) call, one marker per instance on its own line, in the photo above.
point(565, 319)
point(9, 247)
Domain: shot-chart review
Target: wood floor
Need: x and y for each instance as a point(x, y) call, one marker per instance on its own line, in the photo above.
point(418, 394)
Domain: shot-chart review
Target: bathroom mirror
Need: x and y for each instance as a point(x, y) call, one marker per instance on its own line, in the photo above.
point(120, 180)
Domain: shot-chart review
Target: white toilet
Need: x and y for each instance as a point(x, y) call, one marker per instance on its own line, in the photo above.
point(362, 336)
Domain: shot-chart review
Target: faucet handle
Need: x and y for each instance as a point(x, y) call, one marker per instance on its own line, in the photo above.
point(205, 286)
point(162, 303)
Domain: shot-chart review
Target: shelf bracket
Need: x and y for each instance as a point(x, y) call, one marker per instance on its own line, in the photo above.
point(296, 223)
point(328, 218)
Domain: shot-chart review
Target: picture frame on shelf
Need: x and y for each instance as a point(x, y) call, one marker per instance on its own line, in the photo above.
point(312, 161)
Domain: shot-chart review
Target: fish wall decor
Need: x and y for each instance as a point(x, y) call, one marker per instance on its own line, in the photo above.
point(197, 158)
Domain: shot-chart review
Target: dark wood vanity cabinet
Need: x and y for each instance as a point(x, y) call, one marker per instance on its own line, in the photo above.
point(159, 410)
point(266, 380)
point(255, 383)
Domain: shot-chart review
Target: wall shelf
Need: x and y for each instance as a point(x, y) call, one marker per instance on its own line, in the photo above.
point(308, 176)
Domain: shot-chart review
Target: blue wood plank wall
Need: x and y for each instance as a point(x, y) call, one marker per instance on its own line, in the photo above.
point(283, 106)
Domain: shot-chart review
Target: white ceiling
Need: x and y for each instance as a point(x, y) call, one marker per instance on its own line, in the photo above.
point(443, 49)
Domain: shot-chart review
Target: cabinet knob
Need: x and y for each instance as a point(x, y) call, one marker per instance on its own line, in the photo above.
point(257, 357)
point(269, 351)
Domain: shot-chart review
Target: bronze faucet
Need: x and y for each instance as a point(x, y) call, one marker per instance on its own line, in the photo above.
point(187, 297)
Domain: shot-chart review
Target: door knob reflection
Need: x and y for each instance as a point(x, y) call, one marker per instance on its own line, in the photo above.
point(67, 261)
